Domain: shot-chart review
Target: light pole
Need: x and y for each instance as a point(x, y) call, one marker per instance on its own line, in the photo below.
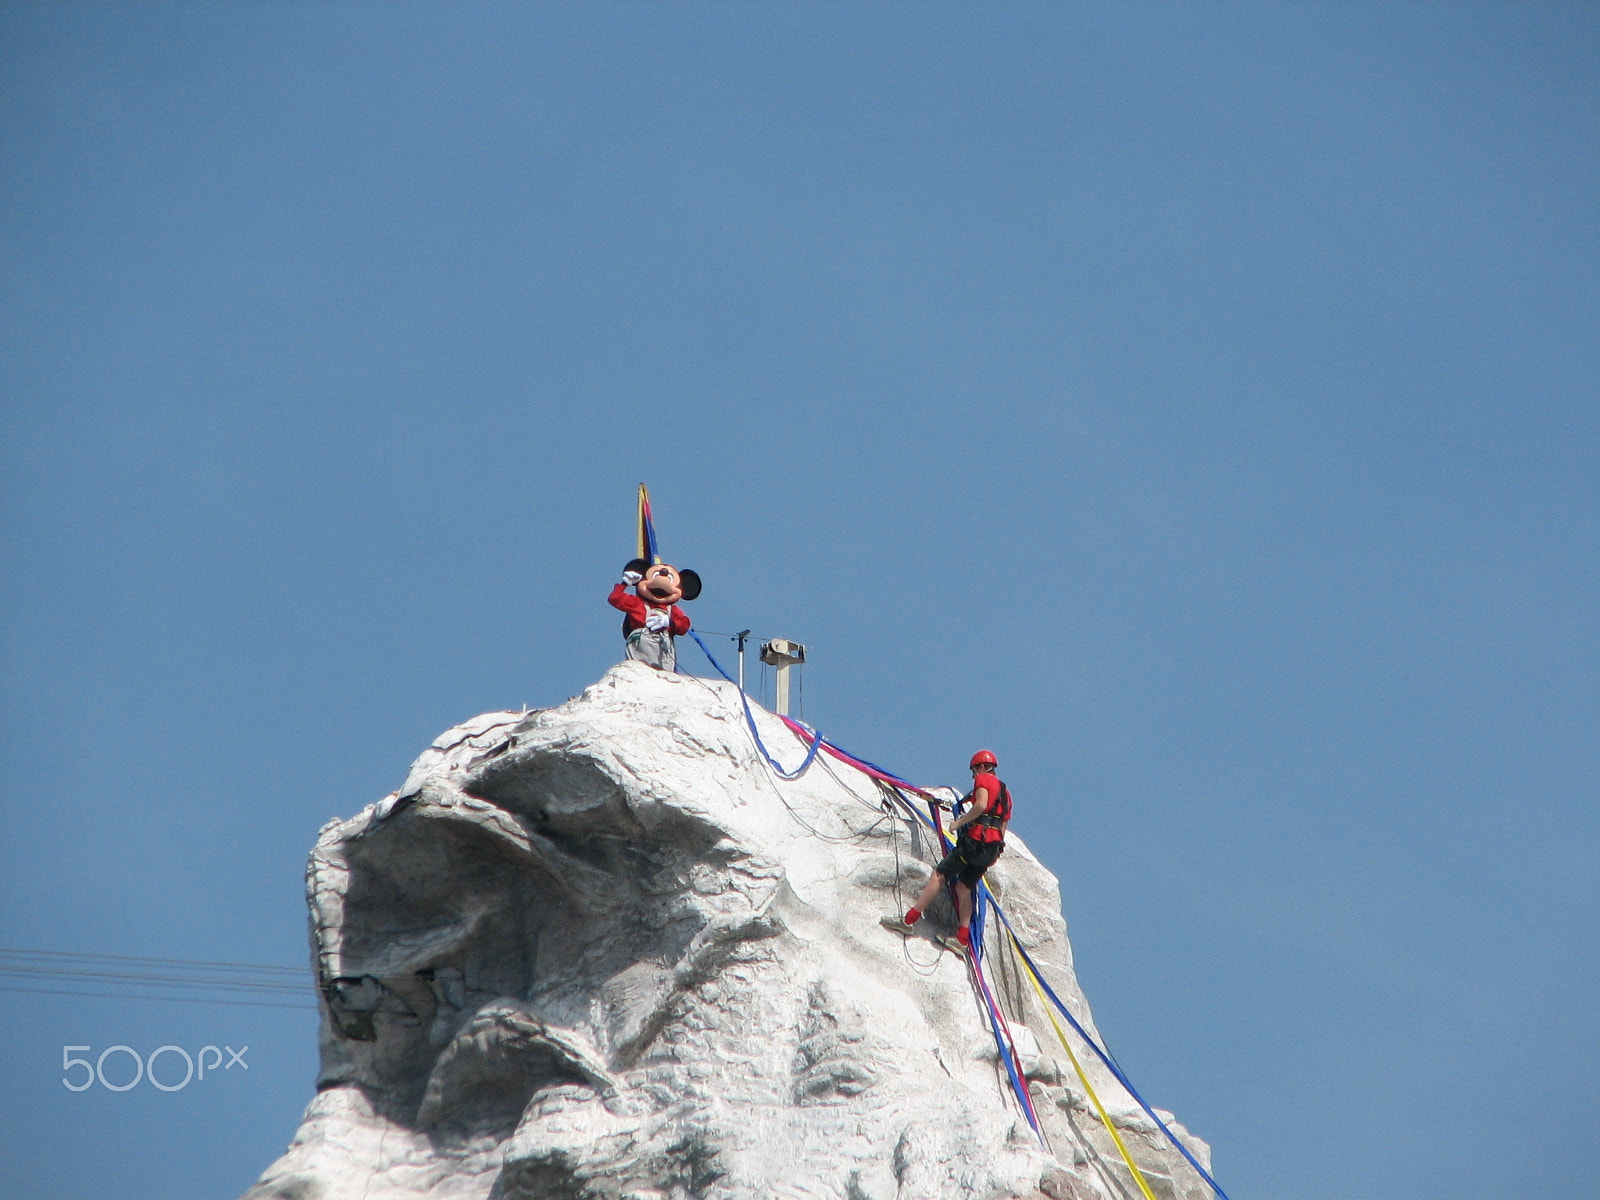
point(782, 654)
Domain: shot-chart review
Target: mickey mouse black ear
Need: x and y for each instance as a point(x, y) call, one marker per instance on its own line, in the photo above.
point(689, 581)
point(641, 565)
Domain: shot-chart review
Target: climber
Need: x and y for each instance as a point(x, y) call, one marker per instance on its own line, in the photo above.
point(652, 617)
point(980, 833)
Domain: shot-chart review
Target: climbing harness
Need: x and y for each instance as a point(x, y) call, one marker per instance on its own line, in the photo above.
point(995, 818)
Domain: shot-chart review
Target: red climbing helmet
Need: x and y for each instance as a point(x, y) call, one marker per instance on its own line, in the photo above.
point(984, 758)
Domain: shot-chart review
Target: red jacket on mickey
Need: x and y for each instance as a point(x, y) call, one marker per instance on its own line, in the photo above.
point(634, 610)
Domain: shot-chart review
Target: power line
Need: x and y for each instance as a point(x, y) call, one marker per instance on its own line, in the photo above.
point(164, 980)
point(178, 962)
point(22, 971)
point(158, 999)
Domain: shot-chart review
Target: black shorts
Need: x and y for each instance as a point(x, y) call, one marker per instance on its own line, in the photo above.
point(969, 860)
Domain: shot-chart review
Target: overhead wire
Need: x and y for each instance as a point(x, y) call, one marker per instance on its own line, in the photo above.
point(24, 971)
point(87, 977)
point(130, 958)
point(27, 991)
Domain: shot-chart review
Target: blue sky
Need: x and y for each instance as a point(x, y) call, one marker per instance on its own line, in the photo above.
point(1196, 403)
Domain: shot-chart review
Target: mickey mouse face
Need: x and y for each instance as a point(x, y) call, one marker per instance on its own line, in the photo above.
point(663, 585)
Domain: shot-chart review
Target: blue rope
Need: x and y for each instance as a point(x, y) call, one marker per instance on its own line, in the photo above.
point(981, 901)
point(1005, 1052)
point(1103, 1056)
point(750, 719)
point(980, 908)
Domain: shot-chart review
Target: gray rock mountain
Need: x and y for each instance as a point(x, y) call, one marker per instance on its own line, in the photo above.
point(601, 952)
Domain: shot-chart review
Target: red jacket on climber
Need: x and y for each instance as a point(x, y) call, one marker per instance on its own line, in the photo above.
point(980, 838)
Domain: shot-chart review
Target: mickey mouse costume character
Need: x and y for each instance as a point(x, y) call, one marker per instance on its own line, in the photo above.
point(651, 616)
point(980, 838)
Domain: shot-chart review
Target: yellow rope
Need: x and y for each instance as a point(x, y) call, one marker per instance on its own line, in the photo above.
point(1033, 978)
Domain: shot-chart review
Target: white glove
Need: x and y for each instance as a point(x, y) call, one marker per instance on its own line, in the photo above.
point(631, 577)
point(656, 620)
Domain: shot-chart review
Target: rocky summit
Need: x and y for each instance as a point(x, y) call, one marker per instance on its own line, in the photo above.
point(602, 952)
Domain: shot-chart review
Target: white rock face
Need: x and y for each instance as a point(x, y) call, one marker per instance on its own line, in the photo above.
point(601, 951)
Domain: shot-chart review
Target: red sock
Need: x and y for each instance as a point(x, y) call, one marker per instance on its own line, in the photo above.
point(913, 915)
point(964, 935)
